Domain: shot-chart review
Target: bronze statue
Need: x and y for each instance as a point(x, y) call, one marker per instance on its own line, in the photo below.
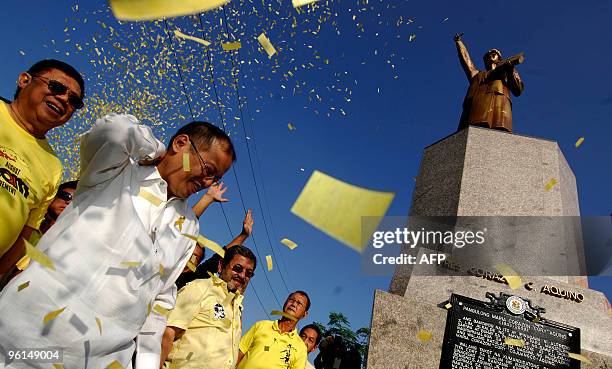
point(487, 102)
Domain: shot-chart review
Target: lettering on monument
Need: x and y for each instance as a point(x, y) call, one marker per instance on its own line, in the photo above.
point(476, 333)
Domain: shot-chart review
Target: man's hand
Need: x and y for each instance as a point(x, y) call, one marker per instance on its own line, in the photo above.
point(457, 37)
point(247, 224)
point(217, 192)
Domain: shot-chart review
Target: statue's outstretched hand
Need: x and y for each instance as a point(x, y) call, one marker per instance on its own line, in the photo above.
point(457, 37)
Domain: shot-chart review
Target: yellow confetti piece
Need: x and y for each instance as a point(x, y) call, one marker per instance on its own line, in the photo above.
point(180, 34)
point(161, 270)
point(148, 308)
point(138, 10)
point(186, 166)
point(58, 366)
point(52, 315)
point(114, 365)
point(212, 245)
point(99, 324)
point(36, 255)
point(179, 223)
point(229, 46)
point(512, 277)
point(579, 142)
point(191, 266)
point(337, 208)
point(288, 316)
point(514, 342)
point(290, 244)
point(411, 38)
point(448, 306)
point(267, 45)
point(149, 197)
point(189, 355)
point(291, 127)
point(298, 3)
point(550, 184)
point(131, 264)
point(579, 357)
point(424, 335)
point(23, 263)
point(269, 262)
point(161, 310)
point(23, 286)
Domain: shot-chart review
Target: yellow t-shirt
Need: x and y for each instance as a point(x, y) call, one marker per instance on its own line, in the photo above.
point(212, 319)
point(29, 176)
point(265, 347)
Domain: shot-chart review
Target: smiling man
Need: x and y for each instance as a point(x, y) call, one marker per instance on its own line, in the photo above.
point(275, 344)
point(111, 259)
point(47, 96)
point(204, 328)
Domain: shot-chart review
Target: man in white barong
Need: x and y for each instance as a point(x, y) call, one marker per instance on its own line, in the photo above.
point(116, 251)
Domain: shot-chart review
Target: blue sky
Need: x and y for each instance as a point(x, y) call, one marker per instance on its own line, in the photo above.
point(404, 95)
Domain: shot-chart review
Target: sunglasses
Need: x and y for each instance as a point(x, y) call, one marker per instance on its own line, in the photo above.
point(66, 196)
point(58, 88)
point(249, 273)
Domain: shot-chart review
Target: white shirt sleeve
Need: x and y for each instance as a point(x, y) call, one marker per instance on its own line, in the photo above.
point(108, 146)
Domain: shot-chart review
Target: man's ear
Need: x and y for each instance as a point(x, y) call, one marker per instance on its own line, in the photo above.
point(305, 314)
point(180, 144)
point(24, 79)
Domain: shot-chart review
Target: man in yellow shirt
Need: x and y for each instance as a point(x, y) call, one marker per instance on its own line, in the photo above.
point(47, 95)
point(204, 328)
point(275, 344)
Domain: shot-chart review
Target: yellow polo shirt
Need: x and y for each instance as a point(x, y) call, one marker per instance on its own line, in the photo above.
point(265, 347)
point(29, 176)
point(212, 319)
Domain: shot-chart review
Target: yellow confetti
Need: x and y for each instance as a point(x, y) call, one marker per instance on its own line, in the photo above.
point(131, 264)
point(138, 10)
point(161, 310)
point(269, 262)
point(58, 366)
point(290, 244)
point(36, 255)
point(514, 342)
point(148, 308)
point(448, 306)
point(149, 197)
point(99, 324)
point(23, 286)
point(22, 52)
point(52, 315)
point(291, 127)
point(298, 3)
point(229, 46)
point(23, 263)
point(512, 277)
point(288, 316)
point(212, 245)
point(424, 335)
point(180, 34)
point(579, 142)
point(550, 184)
point(411, 38)
point(191, 266)
point(337, 208)
point(189, 355)
point(579, 357)
point(186, 166)
point(179, 223)
point(161, 270)
point(115, 365)
point(267, 45)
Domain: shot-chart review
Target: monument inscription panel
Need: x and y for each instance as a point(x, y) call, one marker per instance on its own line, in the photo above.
point(476, 334)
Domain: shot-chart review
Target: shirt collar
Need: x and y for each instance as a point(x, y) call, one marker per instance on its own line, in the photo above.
point(277, 328)
point(237, 296)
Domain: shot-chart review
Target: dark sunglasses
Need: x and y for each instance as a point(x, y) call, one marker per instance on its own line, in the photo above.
point(66, 196)
point(239, 268)
point(58, 88)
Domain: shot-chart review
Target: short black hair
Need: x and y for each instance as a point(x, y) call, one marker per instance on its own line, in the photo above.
point(204, 134)
point(46, 64)
point(230, 252)
point(69, 184)
point(316, 329)
point(303, 294)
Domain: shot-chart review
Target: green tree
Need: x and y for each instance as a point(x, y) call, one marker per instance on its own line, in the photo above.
point(339, 325)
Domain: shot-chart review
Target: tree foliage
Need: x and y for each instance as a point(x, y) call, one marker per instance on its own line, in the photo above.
point(339, 325)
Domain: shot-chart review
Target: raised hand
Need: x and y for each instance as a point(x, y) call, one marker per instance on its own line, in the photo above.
point(247, 223)
point(216, 192)
point(458, 36)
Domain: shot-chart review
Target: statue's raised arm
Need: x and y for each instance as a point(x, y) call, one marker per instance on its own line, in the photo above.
point(464, 57)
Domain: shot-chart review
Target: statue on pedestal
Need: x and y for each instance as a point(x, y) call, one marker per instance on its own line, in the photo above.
point(487, 102)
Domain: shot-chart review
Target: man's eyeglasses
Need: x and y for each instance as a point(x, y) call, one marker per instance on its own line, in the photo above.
point(58, 88)
point(66, 196)
point(206, 171)
point(249, 273)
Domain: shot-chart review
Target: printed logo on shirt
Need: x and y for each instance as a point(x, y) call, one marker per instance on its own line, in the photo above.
point(9, 174)
point(219, 311)
point(286, 355)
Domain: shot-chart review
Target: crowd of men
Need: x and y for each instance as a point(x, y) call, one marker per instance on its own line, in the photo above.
point(102, 268)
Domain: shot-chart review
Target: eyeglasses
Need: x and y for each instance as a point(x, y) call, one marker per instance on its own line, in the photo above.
point(249, 273)
point(66, 196)
point(58, 88)
point(205, 168)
